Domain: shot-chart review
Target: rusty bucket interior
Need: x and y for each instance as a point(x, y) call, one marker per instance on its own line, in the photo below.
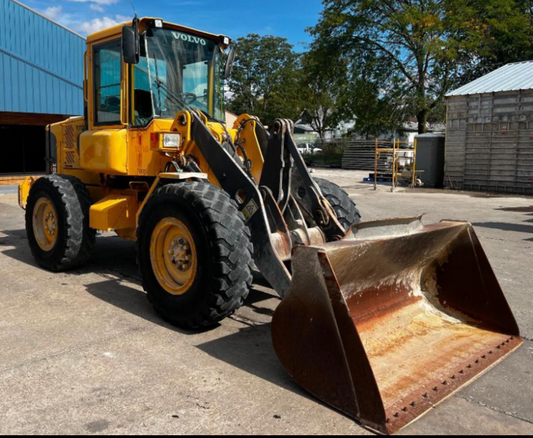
point(385, 325)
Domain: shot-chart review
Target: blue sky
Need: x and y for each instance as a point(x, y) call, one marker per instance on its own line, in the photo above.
point(287, 18)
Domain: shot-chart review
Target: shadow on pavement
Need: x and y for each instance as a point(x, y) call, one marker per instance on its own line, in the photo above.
point(505, 226)
point(114, 259)
point(249, 349)
point(111, 254)
point(517, 209)
point(475, 194)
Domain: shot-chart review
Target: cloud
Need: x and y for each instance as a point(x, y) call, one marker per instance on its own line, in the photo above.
point(96, 5)
point(56, 13)
point(200, 89)
point(76, 22)
point(53, 12)
point(96, 24)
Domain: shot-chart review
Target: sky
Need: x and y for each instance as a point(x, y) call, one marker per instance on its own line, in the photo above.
point(287, 18)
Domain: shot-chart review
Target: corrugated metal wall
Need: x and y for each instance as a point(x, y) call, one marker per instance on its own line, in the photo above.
point(41, 63)
point(489, 142)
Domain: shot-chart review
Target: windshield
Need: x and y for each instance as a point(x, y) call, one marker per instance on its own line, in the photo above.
point(176, 71)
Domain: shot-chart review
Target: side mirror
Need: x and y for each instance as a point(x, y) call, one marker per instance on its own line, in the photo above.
point(131, 48)
point(229, 62)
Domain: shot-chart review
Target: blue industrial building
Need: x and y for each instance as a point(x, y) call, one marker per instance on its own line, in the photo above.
point(41, 82)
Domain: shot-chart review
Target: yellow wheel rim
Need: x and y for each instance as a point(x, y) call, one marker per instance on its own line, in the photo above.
point(173, 256)
point(45, 224)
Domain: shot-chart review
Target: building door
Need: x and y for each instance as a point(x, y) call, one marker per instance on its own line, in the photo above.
point(22, 149)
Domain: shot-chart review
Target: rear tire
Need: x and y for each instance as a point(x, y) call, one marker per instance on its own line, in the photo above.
point(194, 254)
point(57, 222)
point(347, 212)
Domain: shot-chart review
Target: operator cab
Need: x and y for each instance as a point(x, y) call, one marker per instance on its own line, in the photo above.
point(153, 71)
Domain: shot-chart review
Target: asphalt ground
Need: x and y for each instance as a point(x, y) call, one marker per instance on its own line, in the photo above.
point(84, 353)
point(8, 190)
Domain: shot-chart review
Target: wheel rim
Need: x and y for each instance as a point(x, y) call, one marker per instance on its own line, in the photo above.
point(45, 224)
point(173, 255)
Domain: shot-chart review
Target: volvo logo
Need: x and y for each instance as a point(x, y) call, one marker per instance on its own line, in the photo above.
point(189, 38)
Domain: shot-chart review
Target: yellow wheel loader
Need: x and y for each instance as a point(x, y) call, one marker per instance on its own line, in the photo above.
point(381, 320)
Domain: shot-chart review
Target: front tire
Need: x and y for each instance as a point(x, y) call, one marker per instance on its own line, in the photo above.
point(57, 222)
point(194, 254)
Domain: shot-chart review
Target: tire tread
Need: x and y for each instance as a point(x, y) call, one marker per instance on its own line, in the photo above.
point(229, 238)
point(347, 212)
point(79, 237)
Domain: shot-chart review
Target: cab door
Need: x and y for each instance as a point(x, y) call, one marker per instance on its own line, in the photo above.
point(103, 147)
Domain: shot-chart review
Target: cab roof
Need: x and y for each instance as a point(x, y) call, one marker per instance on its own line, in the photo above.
point(149, 22)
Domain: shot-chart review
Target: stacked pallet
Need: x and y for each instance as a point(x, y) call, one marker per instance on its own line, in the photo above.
point(359, 155)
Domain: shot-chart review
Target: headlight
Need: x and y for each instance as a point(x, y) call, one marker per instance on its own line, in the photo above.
point(161, 141)
point(171, 140)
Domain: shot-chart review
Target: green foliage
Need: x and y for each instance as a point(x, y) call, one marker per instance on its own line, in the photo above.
point(380, 62)
point(323, 91)
point(489, 34)
point(402, 56)
point(265, 78)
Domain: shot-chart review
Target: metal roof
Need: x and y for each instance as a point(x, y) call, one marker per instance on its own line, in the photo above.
point(510, 77)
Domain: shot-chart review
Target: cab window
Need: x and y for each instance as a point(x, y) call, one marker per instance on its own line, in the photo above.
point(195, 77)
point(142, 108)
point(107, 76)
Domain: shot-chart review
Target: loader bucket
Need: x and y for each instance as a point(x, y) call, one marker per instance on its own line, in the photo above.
point(387, 324)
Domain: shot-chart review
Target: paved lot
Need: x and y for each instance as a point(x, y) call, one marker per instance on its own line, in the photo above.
point(83, 352)
point(8, 190)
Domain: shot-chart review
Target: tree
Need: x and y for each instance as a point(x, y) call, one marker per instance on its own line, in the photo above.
point(373, 112)
point(322, 91)
point(406, 54)
point(264, 81)
point(491, 33)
